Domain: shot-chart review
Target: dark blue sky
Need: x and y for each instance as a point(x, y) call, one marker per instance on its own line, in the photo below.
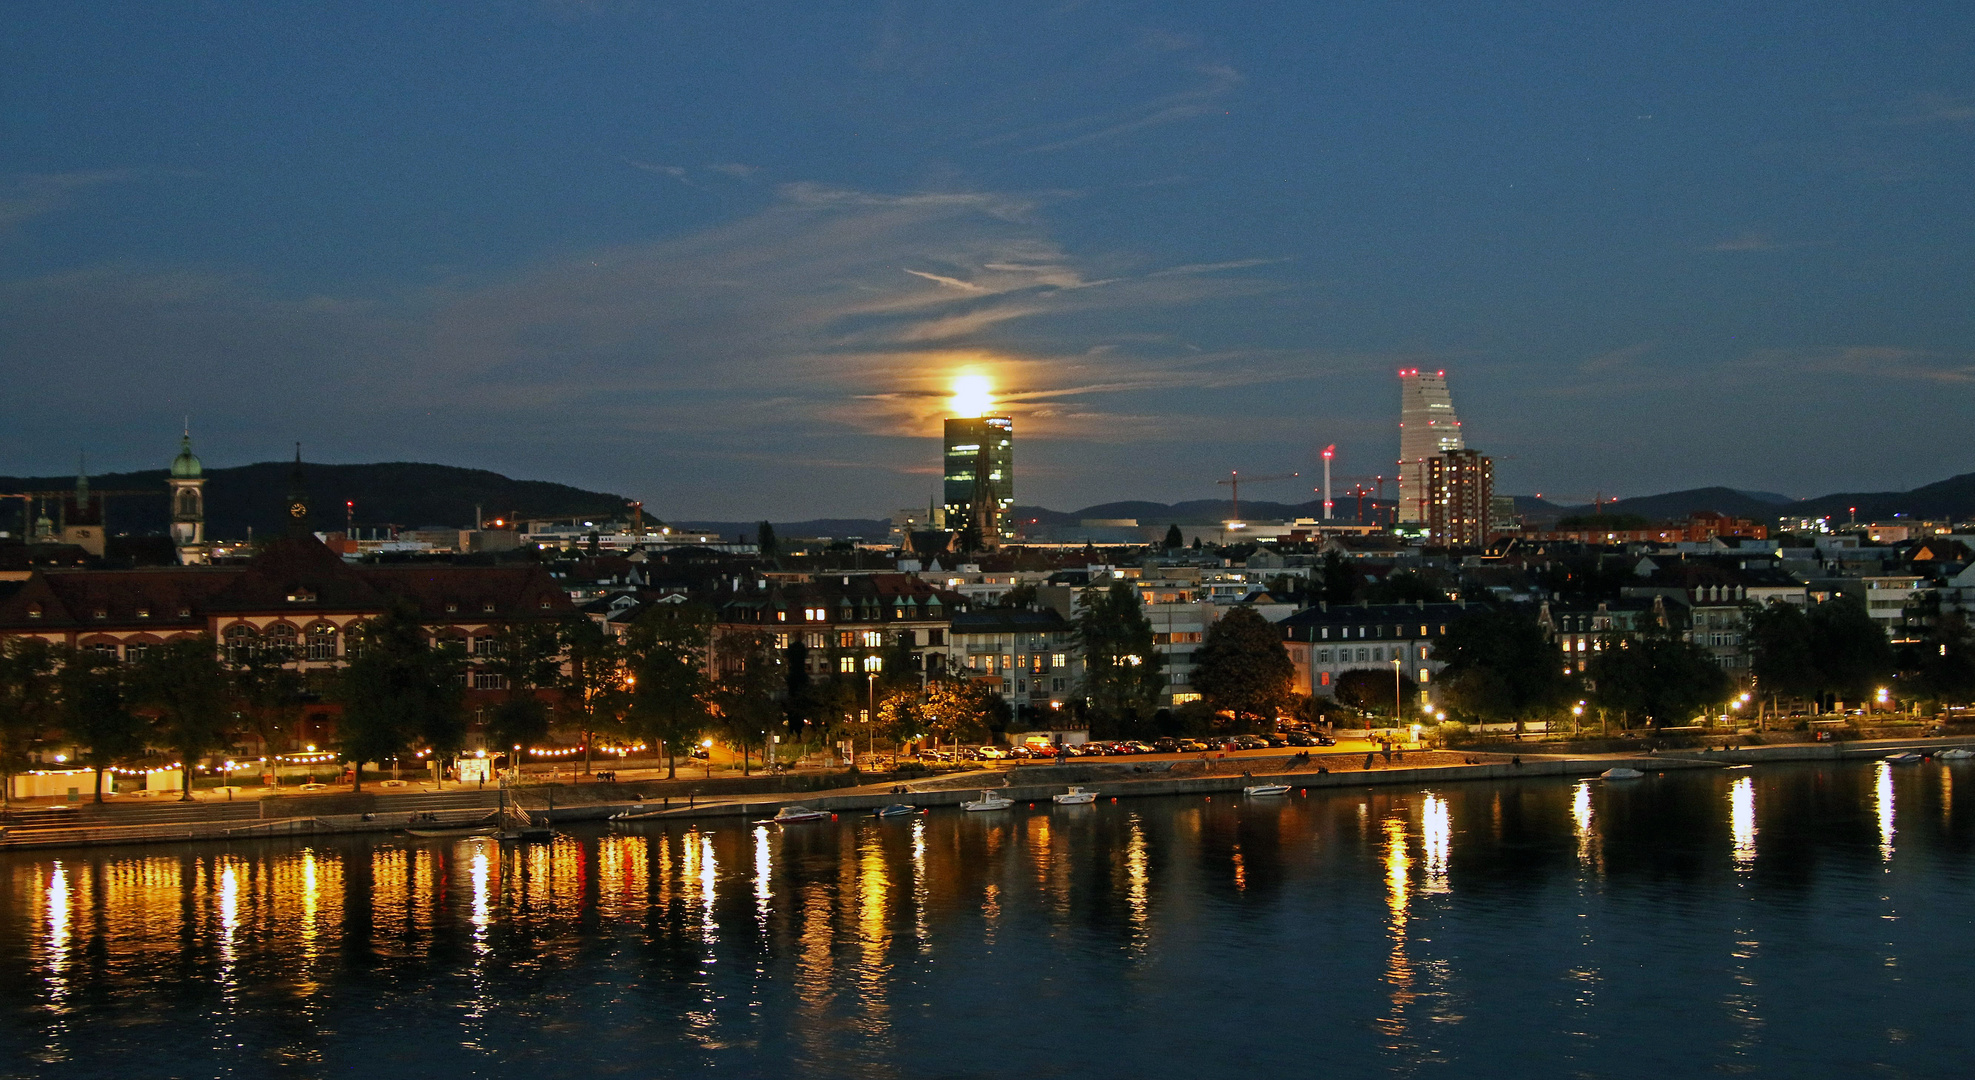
point(728, 256)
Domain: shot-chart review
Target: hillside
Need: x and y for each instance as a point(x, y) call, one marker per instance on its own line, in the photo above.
point(408, 494)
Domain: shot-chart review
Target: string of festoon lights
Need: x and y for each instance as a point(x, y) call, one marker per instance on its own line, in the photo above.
point(568, 751)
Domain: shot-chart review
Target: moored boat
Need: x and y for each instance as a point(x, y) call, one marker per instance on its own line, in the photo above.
point(1905, 758)
point(1957, 753)
point(794, 813)
point(1076, 796)
point(897, 809)
point(1620, 772)
point(1265, 789)
point(989, 800)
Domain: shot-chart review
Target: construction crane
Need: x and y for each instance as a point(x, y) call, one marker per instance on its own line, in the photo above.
point(1234, 482)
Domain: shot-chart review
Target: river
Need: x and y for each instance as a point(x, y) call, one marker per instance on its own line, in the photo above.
point(1785, 921)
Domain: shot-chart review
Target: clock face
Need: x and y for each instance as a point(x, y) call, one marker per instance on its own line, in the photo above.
point(298, 510)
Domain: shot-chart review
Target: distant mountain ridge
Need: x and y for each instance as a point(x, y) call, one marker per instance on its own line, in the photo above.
point(1953, 498)
point(408, 494)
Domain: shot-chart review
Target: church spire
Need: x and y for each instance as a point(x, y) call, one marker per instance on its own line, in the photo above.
point(298, 498)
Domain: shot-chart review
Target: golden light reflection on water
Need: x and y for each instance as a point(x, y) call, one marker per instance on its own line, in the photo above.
point(1742, 820)
point(1398, 968)
point(764, 863)
point(1437, 828)
point(55, 936)
point(1138, 865)
point(1883, 792)
point(1580, 820)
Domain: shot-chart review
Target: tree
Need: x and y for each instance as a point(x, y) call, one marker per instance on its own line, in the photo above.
point(96, 713)
point(27, 704)
point(665, 651)
point(398, 689)
point(1243, 668)
point(1657, 676)
point(1340, 582)
point(764, 541)
point(1852, 654)
point(750, 678)
point(1174, 540)
point(526, 658)
point(1369, 690)
point(1780, 655)
point(1405, 587)
point(1122, 676)
point(1512, 668)
point(1946, 667)
point(269, 691)
point(592, 682)
point(183, 686)
point(958, 710)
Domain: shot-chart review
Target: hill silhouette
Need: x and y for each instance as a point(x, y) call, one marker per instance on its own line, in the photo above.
point(408, 494)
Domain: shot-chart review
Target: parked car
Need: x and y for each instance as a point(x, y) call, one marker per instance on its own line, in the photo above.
point(1323, 739)
point(1277, 739)
point(992, 753)
point(1165, 746)
point(1251, 742)
point(1192, 746)
point(1302, 738)
point(701, 753)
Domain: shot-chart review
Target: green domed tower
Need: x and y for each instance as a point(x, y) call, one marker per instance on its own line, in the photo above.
point(188, 504)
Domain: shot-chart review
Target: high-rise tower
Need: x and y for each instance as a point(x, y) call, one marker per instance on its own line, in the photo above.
point(980, 477)
point(188, 504)
point(1427, 427)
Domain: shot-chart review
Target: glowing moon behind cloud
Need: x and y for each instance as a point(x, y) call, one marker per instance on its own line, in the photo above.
point(972, 395)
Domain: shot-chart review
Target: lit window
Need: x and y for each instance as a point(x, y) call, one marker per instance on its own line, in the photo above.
point(874, 663)
point(873, 639)
point(847, 664)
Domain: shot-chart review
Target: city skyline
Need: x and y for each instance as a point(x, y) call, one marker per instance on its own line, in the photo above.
point(1182, 243)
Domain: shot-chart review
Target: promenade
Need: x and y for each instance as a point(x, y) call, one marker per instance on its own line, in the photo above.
point(390, 809)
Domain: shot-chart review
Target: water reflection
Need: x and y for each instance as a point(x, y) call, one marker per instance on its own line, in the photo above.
point(1398, 969)
point(1883, 790)
point(946, 944)
point(1438, 838)
point(1742, 820)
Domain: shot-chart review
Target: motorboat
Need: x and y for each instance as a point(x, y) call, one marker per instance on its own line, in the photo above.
point(1955, 754)
point(1265, 789)
point(1076, 796)
point(1620, 772)
point(1908, 757)
point(989, 800)
point(793, 814)
point(897, 809)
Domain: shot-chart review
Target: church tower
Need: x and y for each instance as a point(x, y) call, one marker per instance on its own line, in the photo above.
point(188, 504)
point(298, 499)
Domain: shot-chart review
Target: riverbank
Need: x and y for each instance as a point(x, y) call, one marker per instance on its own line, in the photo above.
point(384, 813)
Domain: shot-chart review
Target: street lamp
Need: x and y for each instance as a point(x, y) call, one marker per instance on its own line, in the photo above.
point(1398, 693)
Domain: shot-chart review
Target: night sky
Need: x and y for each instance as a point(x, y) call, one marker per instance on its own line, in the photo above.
point(728, 257)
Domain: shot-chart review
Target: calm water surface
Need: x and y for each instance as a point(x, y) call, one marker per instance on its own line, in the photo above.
point(1792, 921)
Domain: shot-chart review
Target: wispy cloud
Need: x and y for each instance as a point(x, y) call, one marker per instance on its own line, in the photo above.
point(30, 195)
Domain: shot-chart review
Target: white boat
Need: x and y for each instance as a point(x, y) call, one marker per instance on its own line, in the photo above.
point(1955, 754)
point(1905, 758)
point(1266, 789)
point(1620, 772)
point(1076, 796)
point(452, 832)
point(794, 813)
point(989, 800)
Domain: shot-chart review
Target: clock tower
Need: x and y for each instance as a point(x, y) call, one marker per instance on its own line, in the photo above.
point(188, 504)
point(298, 499)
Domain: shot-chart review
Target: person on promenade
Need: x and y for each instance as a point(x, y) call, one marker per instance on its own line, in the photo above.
point(1368, 760)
